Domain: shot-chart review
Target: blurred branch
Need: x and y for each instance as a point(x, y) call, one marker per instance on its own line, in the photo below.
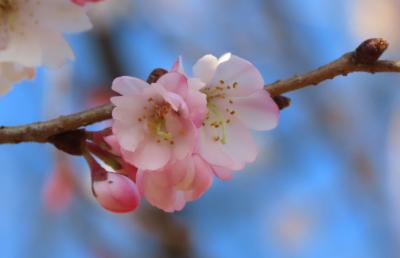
point(172, 234)
point(363, 59)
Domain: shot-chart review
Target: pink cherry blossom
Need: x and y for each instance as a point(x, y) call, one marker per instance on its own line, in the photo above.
point(171, 187)
point(236, 102)
point(152, 122)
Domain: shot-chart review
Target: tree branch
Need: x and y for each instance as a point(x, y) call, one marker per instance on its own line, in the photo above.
point(363, 59)
point(342, 66)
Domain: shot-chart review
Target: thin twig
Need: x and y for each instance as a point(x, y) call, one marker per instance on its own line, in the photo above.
point(363, 59)
point(341, 66)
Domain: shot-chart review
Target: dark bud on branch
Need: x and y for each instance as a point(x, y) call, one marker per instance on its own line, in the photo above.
point(370, 50)
point(282, 101)
point(72, 142)
point(156, 74)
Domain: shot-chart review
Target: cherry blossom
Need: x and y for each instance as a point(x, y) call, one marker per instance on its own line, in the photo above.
point(171, 187)
point(236, 102)
point(31, 31)
point(152, 122)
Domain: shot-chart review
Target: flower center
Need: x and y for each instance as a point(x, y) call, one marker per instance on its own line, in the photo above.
point(220, 109)
point(154, 117)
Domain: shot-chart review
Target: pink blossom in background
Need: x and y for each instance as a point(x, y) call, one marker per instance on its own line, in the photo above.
point(152, 122)
point(236, 102)
point(60, 186)
point(171, 187)
point(83, 2)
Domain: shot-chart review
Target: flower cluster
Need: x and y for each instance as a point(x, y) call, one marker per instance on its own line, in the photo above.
point(31, 35)
point(180, 131)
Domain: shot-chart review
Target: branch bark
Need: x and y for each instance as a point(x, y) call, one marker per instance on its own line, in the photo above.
point(363, 59)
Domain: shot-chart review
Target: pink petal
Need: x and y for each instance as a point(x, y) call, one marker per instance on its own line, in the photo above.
point(174, 82)
point(238, 71)
point(128, 136)
point(184, 134)
point(196, 84)
point(187, 180)
point(197, 103)
point(205, 68)
point(222, 173)
point(257, 111)
point(128, 108)
point(118, 193)
point(203, 179)
point(212, 151)
point(159, 196)
point(150, 155)
point(239, 147)
point(126, 85)
point(178, 66)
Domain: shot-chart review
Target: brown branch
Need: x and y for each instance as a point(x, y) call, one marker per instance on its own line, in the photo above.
point(363, 59)
point(341, 66)
point(42, 131)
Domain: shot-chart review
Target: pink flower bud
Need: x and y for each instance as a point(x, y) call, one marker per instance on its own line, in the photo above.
point(117, 193)
point(114, 191)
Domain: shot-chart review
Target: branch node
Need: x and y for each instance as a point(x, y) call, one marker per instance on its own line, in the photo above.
point(72, 142)
point(370, 50)
point(282, 102)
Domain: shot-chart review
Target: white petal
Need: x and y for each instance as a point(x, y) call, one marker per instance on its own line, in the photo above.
point(240, 74)
point(126, 85)
point(11, 73)
point(128, 136)
point(257, 111)
point(205, 67)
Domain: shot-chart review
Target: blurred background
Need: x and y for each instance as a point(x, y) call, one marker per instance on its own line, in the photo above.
point(325, 184)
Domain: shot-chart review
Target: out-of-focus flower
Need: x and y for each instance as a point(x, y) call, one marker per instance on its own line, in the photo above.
point(84, 2)
point(11, 73)
point(31, 31)
point(114, 191)
point(236, 102)
point(60, 186)
point(171, 187)
point(105, 13)
point(151, 122)
point(371, 18)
